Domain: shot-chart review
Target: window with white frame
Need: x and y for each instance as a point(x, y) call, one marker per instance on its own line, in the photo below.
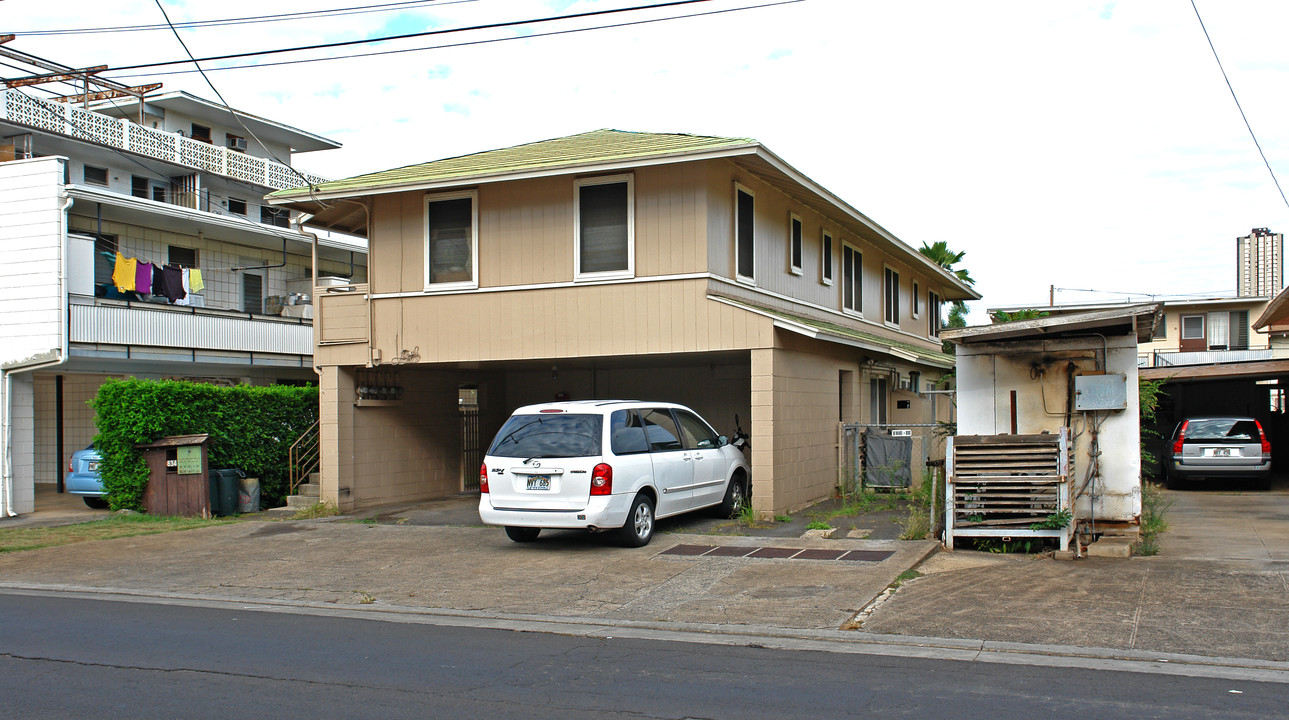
point(917, 300)
point(604, 220)
point(794, 244)
point(891, 297)
point(852, 285)
point(744, 234)
point(825, 263)
point(933, 314)
point(451, 241)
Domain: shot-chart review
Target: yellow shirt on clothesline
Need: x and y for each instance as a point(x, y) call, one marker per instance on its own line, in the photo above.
point(123, 272)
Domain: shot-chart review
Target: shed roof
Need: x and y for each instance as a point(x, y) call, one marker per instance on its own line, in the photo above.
point(1136, 320)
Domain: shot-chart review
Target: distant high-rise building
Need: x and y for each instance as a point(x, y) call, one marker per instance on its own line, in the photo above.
point(1259, 269)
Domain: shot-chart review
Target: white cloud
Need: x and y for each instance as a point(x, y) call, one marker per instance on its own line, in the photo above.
point(1081, 145)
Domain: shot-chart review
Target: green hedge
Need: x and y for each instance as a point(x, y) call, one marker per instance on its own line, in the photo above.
point(251, 428)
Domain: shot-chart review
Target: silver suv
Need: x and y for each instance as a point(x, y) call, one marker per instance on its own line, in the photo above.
point(607, 465)
point(1219, 448)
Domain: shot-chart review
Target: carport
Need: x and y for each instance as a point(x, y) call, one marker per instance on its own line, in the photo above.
point(1243, 389)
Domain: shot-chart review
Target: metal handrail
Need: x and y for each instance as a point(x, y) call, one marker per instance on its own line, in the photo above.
point(303, 457)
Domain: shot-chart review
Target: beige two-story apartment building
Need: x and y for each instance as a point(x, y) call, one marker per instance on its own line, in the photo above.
point(610, 264)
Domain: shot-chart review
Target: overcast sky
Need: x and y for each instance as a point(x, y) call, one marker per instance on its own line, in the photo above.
point(1090, 146)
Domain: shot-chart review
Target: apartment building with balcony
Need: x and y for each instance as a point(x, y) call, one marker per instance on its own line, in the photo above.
point(174, 183)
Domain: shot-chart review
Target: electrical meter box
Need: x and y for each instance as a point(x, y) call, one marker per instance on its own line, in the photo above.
point(1100, 392)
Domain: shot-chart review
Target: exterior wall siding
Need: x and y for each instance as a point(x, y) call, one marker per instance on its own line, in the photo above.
point(31, 242)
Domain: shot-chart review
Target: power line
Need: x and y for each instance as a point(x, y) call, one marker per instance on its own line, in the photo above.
point(405, 36)
point(1237, 105)
point(468, 43)
point(200, 24)
point(220, 95)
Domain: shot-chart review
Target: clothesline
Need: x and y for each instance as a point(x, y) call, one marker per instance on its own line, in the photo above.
point(142, 276)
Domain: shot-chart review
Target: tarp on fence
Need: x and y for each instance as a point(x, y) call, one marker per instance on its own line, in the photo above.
point(888, 460)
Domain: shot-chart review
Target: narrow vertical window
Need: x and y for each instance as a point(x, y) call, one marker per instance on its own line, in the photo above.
point(891, 291)
point(825, 265)
point(451, 241)
point(852, 290)
point(745, 249)
point(603, 218)
point(917, 301)
point(933, 314)
point(794, 244)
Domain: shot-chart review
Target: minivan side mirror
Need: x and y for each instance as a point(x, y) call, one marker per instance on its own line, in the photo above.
point(722, 441)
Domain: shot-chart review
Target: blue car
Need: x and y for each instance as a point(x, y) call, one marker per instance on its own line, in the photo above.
point(83, 478)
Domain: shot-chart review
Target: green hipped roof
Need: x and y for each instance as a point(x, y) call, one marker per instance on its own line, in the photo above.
point(934, 357)
point(591, 148)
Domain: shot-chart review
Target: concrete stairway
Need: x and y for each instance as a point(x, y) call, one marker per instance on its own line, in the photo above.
point(306, 493)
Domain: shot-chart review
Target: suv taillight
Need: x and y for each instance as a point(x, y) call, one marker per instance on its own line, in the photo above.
point(1181, 435)
point(483, 478)
point(1266, 444)
point(602, 480)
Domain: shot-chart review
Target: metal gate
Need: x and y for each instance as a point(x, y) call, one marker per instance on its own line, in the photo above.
point(860, 468)
point(471, 450)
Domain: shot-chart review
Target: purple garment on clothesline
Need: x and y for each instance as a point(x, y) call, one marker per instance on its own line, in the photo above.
point(143, 277)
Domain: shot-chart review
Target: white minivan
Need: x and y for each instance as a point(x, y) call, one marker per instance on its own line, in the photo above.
point(607, 465)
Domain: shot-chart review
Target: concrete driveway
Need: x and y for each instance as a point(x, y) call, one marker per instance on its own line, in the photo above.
point(1228, 524)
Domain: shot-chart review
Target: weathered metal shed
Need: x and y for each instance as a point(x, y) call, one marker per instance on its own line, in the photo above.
point(1048, 424)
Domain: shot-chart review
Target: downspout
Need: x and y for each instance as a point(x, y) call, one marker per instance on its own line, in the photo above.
point(31, 365)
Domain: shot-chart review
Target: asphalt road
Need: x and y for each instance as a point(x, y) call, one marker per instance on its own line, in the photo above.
point(75, 657)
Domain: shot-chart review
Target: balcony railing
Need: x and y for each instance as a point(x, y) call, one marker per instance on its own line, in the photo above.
point(1201, 357)
point(67, 119)
point(116, 322)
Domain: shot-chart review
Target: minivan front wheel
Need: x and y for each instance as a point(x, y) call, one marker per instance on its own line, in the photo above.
point(735, 499)
point(522, 534)
point(638, 530)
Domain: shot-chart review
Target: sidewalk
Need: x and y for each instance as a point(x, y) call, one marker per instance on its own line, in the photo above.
point(1231, 605)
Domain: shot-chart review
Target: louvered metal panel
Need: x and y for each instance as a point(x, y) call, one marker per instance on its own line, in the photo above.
point(1003, 485)
point(188, 328)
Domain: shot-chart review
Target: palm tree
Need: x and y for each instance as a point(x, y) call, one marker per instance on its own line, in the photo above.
point(940, 254)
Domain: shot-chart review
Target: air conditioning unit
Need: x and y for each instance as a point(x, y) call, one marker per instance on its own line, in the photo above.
point(236, 143)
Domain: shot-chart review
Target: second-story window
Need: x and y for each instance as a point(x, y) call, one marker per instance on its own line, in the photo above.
point(794, 244)
point(451, 240)
point(95, 175)
point(744, 235)
point(917, 301)
point(200, 132)
point(825, 265)
point(891, 297)
point(236, 206)
point(852, 283)
point(181, 256)
point(933, 314)
point(604, 219)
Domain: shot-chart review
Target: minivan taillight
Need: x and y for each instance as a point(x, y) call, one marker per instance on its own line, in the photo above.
point(69, 464)
point(483, 478)
point(1266, 444)
point(1181, 435)
point(602, 480)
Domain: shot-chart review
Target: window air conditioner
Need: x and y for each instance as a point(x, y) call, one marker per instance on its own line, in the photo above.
point(237, 143)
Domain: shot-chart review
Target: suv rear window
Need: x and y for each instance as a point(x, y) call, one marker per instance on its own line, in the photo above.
point(548, 436)
point(1228, 430)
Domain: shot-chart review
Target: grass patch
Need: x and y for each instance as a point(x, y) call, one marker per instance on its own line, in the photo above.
point(904, 577)
point(818, 525)
point(864, 502)
point(315, 511)
point(1154, 506)
point(114, 526)
point(783, 518)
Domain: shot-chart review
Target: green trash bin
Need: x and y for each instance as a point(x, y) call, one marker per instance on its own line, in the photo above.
point(223, 491)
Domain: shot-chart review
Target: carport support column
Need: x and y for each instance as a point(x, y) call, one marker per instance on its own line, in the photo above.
point(336, 436)
point(762, 431)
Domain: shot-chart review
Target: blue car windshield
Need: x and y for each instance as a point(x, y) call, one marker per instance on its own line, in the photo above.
point(549, 436)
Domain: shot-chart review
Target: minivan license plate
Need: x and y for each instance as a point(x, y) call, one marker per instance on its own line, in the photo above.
point(539, 482)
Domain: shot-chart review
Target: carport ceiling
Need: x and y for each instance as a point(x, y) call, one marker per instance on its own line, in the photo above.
point(1220, 371)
